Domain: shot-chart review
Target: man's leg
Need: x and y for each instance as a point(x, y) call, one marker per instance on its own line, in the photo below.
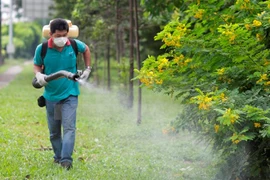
point(54, 126)
point(69, 107)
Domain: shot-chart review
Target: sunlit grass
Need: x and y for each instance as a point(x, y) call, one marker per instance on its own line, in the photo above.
point(109, 143)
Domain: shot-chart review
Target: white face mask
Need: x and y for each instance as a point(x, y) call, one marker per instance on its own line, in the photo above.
point(60, 42)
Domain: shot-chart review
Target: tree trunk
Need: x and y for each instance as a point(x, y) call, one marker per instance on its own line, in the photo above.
point(96, 77)
point(108, 63)
point(117, 33)
point(131, 58)
point(137, 40)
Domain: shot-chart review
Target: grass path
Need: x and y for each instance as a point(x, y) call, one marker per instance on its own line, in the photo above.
point(109, 144)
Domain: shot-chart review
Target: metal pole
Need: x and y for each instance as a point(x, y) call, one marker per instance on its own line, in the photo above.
point(1, 57)
point(10, 46)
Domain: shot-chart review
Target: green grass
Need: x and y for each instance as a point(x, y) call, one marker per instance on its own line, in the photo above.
point(109, 144)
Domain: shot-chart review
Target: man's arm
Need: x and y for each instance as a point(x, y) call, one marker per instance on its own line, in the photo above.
point(37, 68)
point(87, 57)
point(39, 76)
point(87, 63)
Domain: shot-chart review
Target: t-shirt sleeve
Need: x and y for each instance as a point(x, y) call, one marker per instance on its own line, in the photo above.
point(37, 57)
point(81, 45)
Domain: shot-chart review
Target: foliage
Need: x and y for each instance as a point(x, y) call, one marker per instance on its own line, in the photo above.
point(98, 19)
point(217, 63)
point(160, 10)
point(63, 8)
point(27, 35)
point(94, 18)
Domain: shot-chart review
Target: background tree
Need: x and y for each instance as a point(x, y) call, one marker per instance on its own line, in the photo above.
point(27, 36)
point(114, 15)
point(64, 8)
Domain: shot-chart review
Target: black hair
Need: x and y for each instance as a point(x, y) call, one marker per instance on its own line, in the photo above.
point(58, 24)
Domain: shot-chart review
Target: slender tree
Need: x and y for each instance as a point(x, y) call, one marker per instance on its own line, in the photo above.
point(96, 77)
point(117, 32)
point(108, 62)
point(137, 40)
point(131, 55)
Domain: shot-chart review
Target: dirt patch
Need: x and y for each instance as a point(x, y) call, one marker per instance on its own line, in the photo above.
point(9, 75)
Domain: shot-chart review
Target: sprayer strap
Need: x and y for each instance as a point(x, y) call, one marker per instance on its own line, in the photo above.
point(44, 50)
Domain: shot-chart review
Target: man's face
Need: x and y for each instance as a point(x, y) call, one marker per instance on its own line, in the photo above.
point(59, 38)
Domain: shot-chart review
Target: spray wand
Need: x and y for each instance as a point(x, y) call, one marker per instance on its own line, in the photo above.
point(59, 74)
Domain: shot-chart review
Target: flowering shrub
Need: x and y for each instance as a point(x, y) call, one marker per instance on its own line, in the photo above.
point(217, 63)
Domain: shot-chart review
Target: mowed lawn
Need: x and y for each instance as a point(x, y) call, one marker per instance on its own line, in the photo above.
point(109, 143)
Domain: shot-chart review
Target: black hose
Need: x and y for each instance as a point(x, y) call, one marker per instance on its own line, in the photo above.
point(59, 74)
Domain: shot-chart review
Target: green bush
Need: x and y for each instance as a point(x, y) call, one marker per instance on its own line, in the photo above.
point(217, 64)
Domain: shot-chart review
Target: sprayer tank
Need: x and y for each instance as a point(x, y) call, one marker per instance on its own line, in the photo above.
point(73, 30)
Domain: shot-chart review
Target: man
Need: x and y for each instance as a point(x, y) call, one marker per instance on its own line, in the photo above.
point(61, 95)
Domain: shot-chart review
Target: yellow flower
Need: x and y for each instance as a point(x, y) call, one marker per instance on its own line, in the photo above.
point(150, 73)
point(267, 83)
point(234, 118)
point(146, 81)
point(236, 141)
point(222, 97)
point(248, 27)
point(204, 106)
point(230, 116)
point(221, 71)
point(231, 35)
point(187, 61)
point(259, 37)
point(232, 38)
point(257, 23)
point(263, 78)
point(266, 62)
point(163, 63)
point(164, 60)
point(178, 58)
point(228, 111)
point(168, 39)
point(216, 128)
point(257, 125)
point(207, 99)
point(199, 14)
point(205, 102)
point(261, 14)
point(181, 28)
point(159, 81)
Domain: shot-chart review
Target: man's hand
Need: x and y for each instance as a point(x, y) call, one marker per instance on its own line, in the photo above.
point(41, 79)
point(85, 74)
